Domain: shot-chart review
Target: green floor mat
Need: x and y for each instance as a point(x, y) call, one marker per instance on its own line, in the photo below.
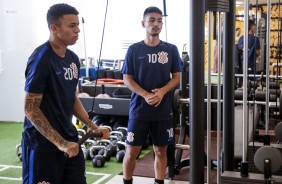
point(10, 136)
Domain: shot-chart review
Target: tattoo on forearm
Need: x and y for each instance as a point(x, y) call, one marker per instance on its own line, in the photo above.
point(33, 112)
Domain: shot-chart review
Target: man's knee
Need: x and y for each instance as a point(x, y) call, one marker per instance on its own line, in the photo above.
point(132, 152)
point(160, 151)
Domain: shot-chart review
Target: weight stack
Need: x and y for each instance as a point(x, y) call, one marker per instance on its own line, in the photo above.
point(251, 152)
point(217, 5)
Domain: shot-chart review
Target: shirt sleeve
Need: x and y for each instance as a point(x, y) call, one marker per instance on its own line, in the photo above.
point(176, 61)
point(36, 74)
point(127, 67)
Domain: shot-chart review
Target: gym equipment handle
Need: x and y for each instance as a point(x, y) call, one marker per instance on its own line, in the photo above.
point(85, 137)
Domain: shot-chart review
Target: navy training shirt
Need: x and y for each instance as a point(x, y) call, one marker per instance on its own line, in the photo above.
point(56, 78)
point(151, 67)
point(253, 46)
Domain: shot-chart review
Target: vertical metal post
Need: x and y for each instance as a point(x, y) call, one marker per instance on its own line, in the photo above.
point(228, 87)
point(267, 67)
point(209, 100)
point(245, 79)
point(219, 45)
point(196, 80)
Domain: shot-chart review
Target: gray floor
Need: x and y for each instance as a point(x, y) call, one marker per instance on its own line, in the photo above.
point(142, 180)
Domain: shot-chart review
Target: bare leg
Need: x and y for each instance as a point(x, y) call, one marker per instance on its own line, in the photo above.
point(160, 162)
point(129, 161)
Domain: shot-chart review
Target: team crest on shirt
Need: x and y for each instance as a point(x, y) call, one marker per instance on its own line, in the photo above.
point(75, 70)
point(71, 72)
point(130, 137)
point(163, 57)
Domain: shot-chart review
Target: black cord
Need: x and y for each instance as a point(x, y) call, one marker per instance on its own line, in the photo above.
point(91, 113)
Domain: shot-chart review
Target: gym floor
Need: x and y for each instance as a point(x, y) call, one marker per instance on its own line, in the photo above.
point(10, 165)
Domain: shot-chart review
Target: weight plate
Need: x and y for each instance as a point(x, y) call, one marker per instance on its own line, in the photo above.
point(270, 153)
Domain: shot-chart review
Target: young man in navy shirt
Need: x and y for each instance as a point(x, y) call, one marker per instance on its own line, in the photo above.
point(51, 80)
point(253, 49)
point(152, 71)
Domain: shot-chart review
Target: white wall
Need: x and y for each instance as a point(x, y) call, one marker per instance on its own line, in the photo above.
point(24, 27)
point(16, 44)
point(123, 23)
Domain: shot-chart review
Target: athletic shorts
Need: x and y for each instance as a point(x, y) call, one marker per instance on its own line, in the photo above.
point(52, 167)
point(161, 132)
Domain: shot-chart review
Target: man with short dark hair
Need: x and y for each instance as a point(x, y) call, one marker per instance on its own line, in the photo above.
point(52, 74)
point(151, 70)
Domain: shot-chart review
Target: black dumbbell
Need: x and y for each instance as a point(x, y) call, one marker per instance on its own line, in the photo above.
point(94, 150)
point(113, 145)
point(98, 161)
point(106, 153)
point(104, 142)
point(120, 155)
point(110, 146)
point(119, 134)
point(123, 130)
point(88, 144)
point(121, 145)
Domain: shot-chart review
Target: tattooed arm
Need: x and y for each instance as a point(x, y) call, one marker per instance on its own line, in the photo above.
point(40, 122)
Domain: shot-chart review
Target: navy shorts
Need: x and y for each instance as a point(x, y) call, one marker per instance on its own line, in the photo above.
point(161, 132)
point(52, 167)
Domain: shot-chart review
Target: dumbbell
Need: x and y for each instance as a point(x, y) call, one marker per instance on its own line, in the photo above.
point(106, 153)
point(123, 130)
point(121, 145)
point(113, 145)
point(85, 137)
point(94, 150)
point(109, 146)
point(88, 144)
point(120, 155)
point(119, 135)
point(103, 142)
point(97, 160)
point(19, 151)
point(113, 138)
point(120, 151)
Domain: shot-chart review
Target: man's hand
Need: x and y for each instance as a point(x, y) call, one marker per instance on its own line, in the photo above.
point(149, 98)
point(71, 148)
point(104, 131)
point(156, 99)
